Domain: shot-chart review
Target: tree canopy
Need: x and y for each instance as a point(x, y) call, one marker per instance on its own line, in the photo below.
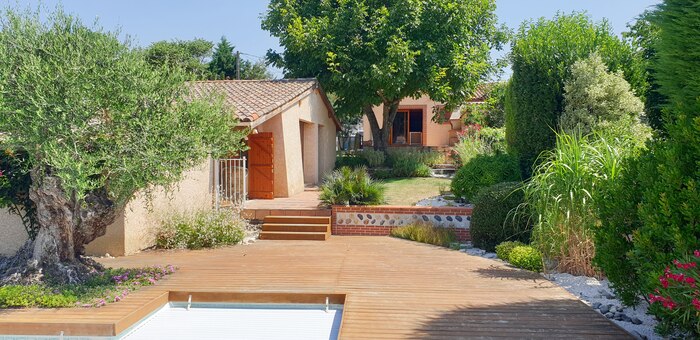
point(223, 62)
point(97, 123)
point(191, 55)
point(541, 56)
point(373, 52)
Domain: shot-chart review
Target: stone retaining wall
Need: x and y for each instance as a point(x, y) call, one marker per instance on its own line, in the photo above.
point(379, 220)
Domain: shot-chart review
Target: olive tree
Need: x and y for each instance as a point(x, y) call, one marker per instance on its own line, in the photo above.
point(372, 52)
point(98, 124)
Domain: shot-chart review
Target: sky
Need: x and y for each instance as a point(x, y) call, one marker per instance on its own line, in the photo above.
point(147, 21)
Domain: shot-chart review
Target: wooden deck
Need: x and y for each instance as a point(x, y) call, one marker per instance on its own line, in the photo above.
point(393, 289)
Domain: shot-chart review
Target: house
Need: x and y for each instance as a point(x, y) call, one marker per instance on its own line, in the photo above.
point(293, 131)
point(292, 144)
point(414, 126)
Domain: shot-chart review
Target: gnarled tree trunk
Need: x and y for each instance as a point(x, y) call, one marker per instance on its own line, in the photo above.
point(66, 225)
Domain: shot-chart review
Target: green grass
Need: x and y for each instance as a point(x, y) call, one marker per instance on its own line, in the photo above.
point(426, 233)
point(110, 286)
point(408, 191)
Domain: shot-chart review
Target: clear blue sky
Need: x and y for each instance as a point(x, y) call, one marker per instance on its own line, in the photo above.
point(239, 20)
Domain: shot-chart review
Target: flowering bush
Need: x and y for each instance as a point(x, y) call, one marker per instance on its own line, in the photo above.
point(202, 229)
point(110, 286)
point(676, 300)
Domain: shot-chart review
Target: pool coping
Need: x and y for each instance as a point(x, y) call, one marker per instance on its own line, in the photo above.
point(117, 327)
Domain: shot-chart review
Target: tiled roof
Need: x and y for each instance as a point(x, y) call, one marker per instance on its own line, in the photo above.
point(480, 92)
point(253, 99)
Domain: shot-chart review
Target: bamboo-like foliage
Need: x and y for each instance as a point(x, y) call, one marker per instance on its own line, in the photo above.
point(562, 194)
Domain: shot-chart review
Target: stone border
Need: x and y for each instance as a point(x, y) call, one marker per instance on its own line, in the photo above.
point(380, 220)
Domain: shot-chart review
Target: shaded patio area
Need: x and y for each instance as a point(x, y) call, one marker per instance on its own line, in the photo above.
point(394, 289)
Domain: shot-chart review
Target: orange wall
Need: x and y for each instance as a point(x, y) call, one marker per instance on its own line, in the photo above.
point(435, 134)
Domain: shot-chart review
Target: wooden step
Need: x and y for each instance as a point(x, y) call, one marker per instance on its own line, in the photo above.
point(319, 228)
point(287, 235)
point(297, 219)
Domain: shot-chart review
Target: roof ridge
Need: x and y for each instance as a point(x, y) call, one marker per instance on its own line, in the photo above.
point(284, 80)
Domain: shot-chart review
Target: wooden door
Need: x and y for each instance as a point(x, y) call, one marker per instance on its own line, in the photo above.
point(261, 179)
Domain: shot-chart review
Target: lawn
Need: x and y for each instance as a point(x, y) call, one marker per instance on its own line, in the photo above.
point(408, 191)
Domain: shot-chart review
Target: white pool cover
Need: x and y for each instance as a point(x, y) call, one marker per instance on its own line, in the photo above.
point(226, 321)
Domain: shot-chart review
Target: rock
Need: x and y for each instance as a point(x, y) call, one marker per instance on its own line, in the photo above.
point(626, 318)
point(613, 309)
point(596, 305)
point(490, 255)
point(609, 315)
point(604, 309)
point(636, 321)
point(618, 316)
point(606, 294)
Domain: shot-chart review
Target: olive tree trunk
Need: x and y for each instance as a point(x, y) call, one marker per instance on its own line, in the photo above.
point(380, 136)
point(66, 225)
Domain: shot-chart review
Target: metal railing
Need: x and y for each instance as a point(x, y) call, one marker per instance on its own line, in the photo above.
point(230, 182)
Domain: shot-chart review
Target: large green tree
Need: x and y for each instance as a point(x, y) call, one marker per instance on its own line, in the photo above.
point(224, 63)
point(541, 56)
point(98, 123)
point(643, 35)
point(371, 52)
point(191, 55)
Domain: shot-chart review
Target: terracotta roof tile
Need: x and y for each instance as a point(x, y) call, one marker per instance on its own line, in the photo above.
point(253, 99)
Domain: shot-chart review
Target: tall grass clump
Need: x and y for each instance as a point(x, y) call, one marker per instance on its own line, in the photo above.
point(347, 186)
point(202, 229)
point(426, 233)
point(561, 195)
point(413, 162)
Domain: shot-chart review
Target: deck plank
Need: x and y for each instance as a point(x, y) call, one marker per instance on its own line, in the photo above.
point(395, 289)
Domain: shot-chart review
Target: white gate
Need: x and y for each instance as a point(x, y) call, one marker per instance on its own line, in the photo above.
point(231, 182)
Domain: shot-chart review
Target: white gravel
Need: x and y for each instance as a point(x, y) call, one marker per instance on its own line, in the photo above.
point(440, 201)
point(595, 293)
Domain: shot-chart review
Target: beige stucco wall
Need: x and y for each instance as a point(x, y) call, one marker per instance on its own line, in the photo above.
point(436, 134)
point(133, 228)
point(12, 233)
point(319, 153)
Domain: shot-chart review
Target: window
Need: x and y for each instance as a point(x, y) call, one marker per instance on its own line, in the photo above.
point(407, 128)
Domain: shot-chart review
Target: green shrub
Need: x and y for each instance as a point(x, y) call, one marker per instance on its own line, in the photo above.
point(495, 218)
point(426, 233)
point(349, 160)
point(504, 249)
point(542, 52)
point(483, 171)
point(411, 162)
point(661, 222)
point(381, 173)
point(203, 229)
point(346, 186)
point(474, 142)
point(372, 157)
point(526, 257)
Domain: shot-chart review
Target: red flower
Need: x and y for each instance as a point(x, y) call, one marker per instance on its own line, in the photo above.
point(696, 303)
point(690, 281)
point(664, 282)
point(696, 253)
